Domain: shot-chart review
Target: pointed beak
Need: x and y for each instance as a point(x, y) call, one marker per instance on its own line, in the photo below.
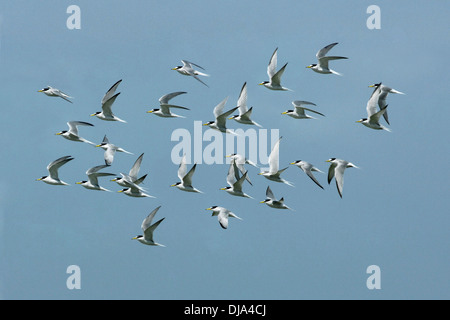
point(40, 90)
point(99, 145)
point(58, 134)
point(309, 67)
point(358, 121)
point(77, 182)
point(151, 111)
point(134, 238)
point(284, 112)
point(205, 124)
point(262, 202)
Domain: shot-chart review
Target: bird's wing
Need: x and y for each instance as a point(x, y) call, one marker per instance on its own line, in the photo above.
point(136, 167)
point(242, 100)
point(274, 158)
point(276, 79)
point(233, 173)
point(73, 126)
point(219, 108)
point(247, 114)
point(339, 177)
point(148, 233)
point(238, 184)
point(55, 165)
point(190, 64)
point(310, 174)
point(182, 168)
point(269, 193)
point(322, 52)
point(272, 67)
point(106, 107)
point(168, 106)
point(187, 180)
point(109, 155)
point(375, 118)
point(198, 79)
point(223, 218)
point(331, 171)
point(314, 111)
point(148, 220)
point(299, 103)
point(108, 95)
point(222, 119)
point(166, 98)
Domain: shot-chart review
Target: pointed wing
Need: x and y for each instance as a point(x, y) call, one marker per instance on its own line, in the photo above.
point(322, 52)
point(276, 79)
point(313, 111)
point(339, 177)
point(73, 126)
point(242, 101)
point(310, 174)
point(274, 158)
point(108, 95)
point(246, 115)
point(223, 218)
point(190, 64)
point(269, 194)
point(136, 167)
point(182, 168)
point(187, 180)
point(375, 118)
point(55, 165)
point(106, 107)
point(219, 108)
point(147, 227)
point(272, 67)
point(198, 79)
point(109, 155)
point(238, 184)
point(331, 171)
point(222, 119)
point(233, 173)
point(166, 98)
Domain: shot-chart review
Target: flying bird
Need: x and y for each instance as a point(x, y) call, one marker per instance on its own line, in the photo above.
point(240, 160)
point(93, 175)
point(185, 177)
point(52, 168)
point(135, 192)
point(131, 180)
point(323, 60)
point(274, 174)
point(110, 150)
point(187, 69)
point(308, 168)
point(274, 82)
point(244, 113)
point(373, 118)
point(53, 92)
point(336, 170)
point(272, 202)
point(235, 182)
point(107, 101)
point(148, 228)
point(221, 118)
point(164, 110)
point(222, 215)
point(72, 133)
point(380, 94)
point(299, 111)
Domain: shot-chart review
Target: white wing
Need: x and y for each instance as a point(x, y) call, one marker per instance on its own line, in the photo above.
point(269, 194)
point(134, 171)
point(106, 107)
point(73, 126)
point(55, 165)
point(242, 101)
point(219, 108)
point(182, 169)
point(108, 95)
point(274, 158)
point(272, 67)
point(166, 98)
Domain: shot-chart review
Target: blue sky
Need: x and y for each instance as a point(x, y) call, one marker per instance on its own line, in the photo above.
point(394, 211)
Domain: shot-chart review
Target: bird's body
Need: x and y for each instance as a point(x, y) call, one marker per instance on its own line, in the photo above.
point(299, 111)
point(187, 69)
point(185, 177)
point(93, 175)
point(164, 109)
point(274, 82)
point(221, 118)
point(272, 202)
point(148, 228)
point(110, 150)
point(322, 64)
point(379, 97)
point(53, 92)
point(107, 101)
point(52, 168)
point(235, 182)
point(131, 180)
point(72, 133)
point(222, 215)
point(240, 160)
point(308, 168)
point(245, 114)
point(274, 173)
point(135, 193)
point(336, 170)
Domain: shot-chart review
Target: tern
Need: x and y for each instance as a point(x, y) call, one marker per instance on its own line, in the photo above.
point(274, 82)
point(308, 168)
point(274, 174)
point(131, 180)
point(164, 110)
point(222, 215)
point(53, 92)
point(336, 170)
point(185, 177)
point(107, 101)
point(373, 120)
point(93, 174)
point(135, 193)
point(72, 134)
point(299, 112)
point(323, 59)
point(272, 202)
point(244, 113)
point(380, 94)
point(148, 228)
point(52, 169)
point(221, 118)
point(187, 69)
point(110, 150)
point(240, 160)
point(235, 182)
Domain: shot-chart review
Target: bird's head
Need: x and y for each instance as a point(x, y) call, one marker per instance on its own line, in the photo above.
point(81, 182)
point(330, 160)
point(361, 120)
point(116, 179)
point(60, 133)
point(212, 208)
point(153, 110)
point(177, 68)
point(175, 184)
point(288, 111)
point(375, 85)
point(137, 237)
point(123, 190)
point(296, 162)
point(263, 83)
point(41, 178)
point(94, 114)
point(45, 89)
point(225, 188)
point(208, 123)
point(233, 117)
point(311, 65)
point(265, 201)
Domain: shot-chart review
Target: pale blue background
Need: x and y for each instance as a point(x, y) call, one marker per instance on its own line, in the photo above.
point(394, 212)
